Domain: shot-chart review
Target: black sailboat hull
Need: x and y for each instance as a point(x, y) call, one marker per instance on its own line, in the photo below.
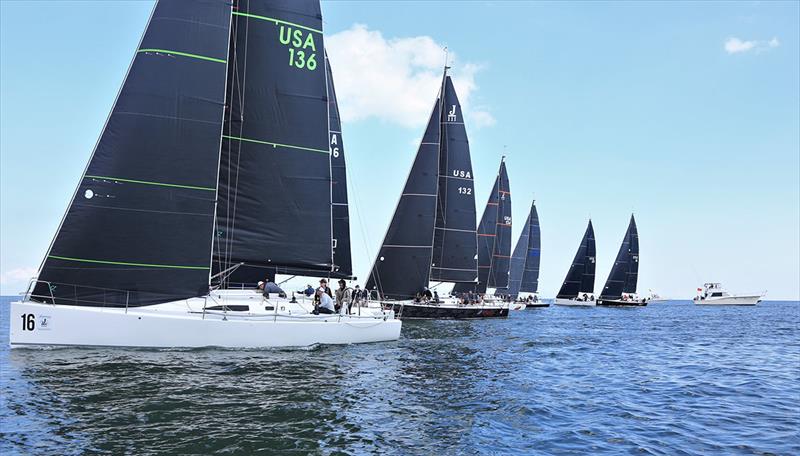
point(536, 305)
point(406, 310)
point(620, 303)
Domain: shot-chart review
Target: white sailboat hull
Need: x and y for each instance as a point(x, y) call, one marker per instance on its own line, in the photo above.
point(185, 324)
point(743, 300)
point(573, 303)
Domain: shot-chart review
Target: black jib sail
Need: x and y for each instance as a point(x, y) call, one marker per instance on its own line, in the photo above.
point(274, 206)
point(624, 274)
point(142, 216)
point(524, 270)
point(494, 239)
point(454, 241)
point(580, 278)
point(437, 198)
point(402, 267)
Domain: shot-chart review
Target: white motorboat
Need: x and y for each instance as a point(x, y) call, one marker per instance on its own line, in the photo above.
point(188, 186)
point(713, 294)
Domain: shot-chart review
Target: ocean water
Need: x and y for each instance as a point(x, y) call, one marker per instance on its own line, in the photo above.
point(671, 379)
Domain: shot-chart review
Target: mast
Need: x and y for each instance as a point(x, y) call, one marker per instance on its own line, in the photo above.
point(624, 274)
point(136, 230)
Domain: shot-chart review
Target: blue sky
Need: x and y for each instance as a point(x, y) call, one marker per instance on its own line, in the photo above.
point(687, 114)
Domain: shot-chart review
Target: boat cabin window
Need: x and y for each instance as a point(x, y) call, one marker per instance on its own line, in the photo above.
point(716, 294)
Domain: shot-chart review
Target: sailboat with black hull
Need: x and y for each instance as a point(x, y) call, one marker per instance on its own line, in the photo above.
point(432, 235)
point(620, 288)
point(217, 153)
point(578, 286)
point(523, 281)
point(494, 240)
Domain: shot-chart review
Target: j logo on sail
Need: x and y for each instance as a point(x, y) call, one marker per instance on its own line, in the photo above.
point(451, 116)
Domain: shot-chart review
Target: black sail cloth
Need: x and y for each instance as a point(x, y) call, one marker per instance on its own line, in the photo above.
point(432, 233)
point(625, 272)
point(524, 268)
point(142, 217)
point(494, 239)
point(403, 263)
point(274, 206)
point(454, 243)
point(250, 274)
point(580, 278)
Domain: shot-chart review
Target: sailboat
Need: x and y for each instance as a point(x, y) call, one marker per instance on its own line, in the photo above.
point(432, 235)
point(578, 286)
point(494, 240)
point(620, 288)
point(216, 155)
point(524, 273)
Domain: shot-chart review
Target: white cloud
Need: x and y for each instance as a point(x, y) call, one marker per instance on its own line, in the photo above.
point(15, 280)
point(734, 45)
point(17, 275)
point(396, 80)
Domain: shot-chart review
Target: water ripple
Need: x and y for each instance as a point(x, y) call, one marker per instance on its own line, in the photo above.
point(671, 379)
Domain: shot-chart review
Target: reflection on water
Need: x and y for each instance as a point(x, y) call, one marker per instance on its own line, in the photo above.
point(666, 379)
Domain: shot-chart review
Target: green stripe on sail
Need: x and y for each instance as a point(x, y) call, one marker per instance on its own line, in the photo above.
point(184, 54)
point(122, 263)
point(238, 138)
point(161, 184)
point(276, 21)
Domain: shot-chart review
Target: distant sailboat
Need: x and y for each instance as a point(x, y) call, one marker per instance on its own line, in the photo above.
point(620, 288)
point(494, 239)
point(525, 261)
point(432, 235)
point(578, 286)
point(188, 179)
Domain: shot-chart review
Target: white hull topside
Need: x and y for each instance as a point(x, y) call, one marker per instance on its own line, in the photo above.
point(573, 302)
point(748, 300)
point(186, 324)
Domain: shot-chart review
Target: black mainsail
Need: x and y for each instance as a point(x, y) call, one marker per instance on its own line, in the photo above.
point(275, 168)
point(494, 239)
point(454, 239)
point(142, 216)
point(524, 270)
point(625, 272)
point(432, 233)
point(249, 274)
point(224, 104)
point(580, 278)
